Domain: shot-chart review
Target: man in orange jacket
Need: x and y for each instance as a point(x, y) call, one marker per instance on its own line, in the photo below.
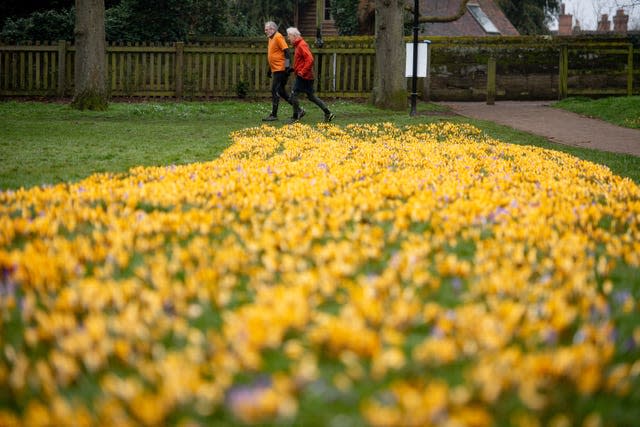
point(303, 69)
point(279, 68)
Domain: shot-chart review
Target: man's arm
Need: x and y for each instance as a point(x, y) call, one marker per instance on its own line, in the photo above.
point(287, 61)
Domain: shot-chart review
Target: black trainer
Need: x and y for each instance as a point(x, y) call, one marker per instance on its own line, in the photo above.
point(298, 117)
point(329, 116)
point(270, 118)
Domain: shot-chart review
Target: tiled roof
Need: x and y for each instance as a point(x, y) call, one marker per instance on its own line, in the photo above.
point(467, 25)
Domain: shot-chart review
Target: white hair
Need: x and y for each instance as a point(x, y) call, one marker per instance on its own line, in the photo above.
point(293, 31)
point(271, 24)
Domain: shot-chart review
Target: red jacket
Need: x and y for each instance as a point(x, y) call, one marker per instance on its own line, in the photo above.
point(303, 60)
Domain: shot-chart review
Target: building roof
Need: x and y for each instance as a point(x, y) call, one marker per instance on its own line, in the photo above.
point(468, 24)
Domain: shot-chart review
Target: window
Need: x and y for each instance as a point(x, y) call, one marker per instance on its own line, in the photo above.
point(482, 19)
point(327, 10)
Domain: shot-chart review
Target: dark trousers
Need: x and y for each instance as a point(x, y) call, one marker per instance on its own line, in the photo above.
point(278, 83)
point(305, 86)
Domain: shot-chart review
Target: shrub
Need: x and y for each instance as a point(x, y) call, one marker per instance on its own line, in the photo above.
point(47, 25)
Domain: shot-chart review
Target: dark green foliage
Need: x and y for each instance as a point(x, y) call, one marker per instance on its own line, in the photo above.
point(164, 20)
point(530, 16)
point(247, 17)
point(242, 88)
point(23, 8)
point(153, 21)
point(46, 25)
point(345, 14)
point(209, 18)
point(28, 19)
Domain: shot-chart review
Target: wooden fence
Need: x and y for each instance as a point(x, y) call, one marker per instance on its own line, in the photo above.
point(460, 68)
point(178, 70)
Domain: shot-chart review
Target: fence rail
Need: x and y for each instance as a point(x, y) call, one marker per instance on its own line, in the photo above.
point(460, 68)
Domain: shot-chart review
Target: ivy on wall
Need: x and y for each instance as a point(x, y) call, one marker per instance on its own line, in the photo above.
point(345, 15)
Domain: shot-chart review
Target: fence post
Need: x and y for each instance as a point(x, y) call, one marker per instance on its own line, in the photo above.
point(179, 68)
point(563, 80)
point(630, 71)
point(426, 90)
point(491, 80)
point(62, 56)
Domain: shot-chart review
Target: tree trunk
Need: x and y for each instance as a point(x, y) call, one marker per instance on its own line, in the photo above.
point(390, 84)
point(90, 61)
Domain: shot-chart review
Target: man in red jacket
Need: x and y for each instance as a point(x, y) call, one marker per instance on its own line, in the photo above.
point(303, 69)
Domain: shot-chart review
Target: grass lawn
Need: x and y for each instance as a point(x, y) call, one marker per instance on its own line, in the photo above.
point(620, 110)
point(48, 143)
point(182, 264)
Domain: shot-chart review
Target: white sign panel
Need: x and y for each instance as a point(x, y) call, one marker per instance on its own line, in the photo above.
point(422, 60)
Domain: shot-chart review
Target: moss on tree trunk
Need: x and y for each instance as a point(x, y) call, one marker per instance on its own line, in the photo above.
point(91, 100)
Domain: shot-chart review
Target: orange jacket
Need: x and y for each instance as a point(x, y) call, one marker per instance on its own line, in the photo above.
point(276, 52)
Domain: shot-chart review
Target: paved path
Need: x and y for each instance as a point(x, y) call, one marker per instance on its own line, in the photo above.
point(563, 127)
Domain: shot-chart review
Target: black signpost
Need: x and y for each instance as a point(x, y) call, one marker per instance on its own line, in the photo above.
point(414, 79)
point(319, 44)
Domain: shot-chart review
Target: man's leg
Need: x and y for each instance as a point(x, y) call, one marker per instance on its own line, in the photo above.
point(275, 100)
point(314, 98)
point(328, 115)
point(295, 102)
point(282, 78)
point(293, 98)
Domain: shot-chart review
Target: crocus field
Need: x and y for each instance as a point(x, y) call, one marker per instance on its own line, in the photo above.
point(329, 276)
